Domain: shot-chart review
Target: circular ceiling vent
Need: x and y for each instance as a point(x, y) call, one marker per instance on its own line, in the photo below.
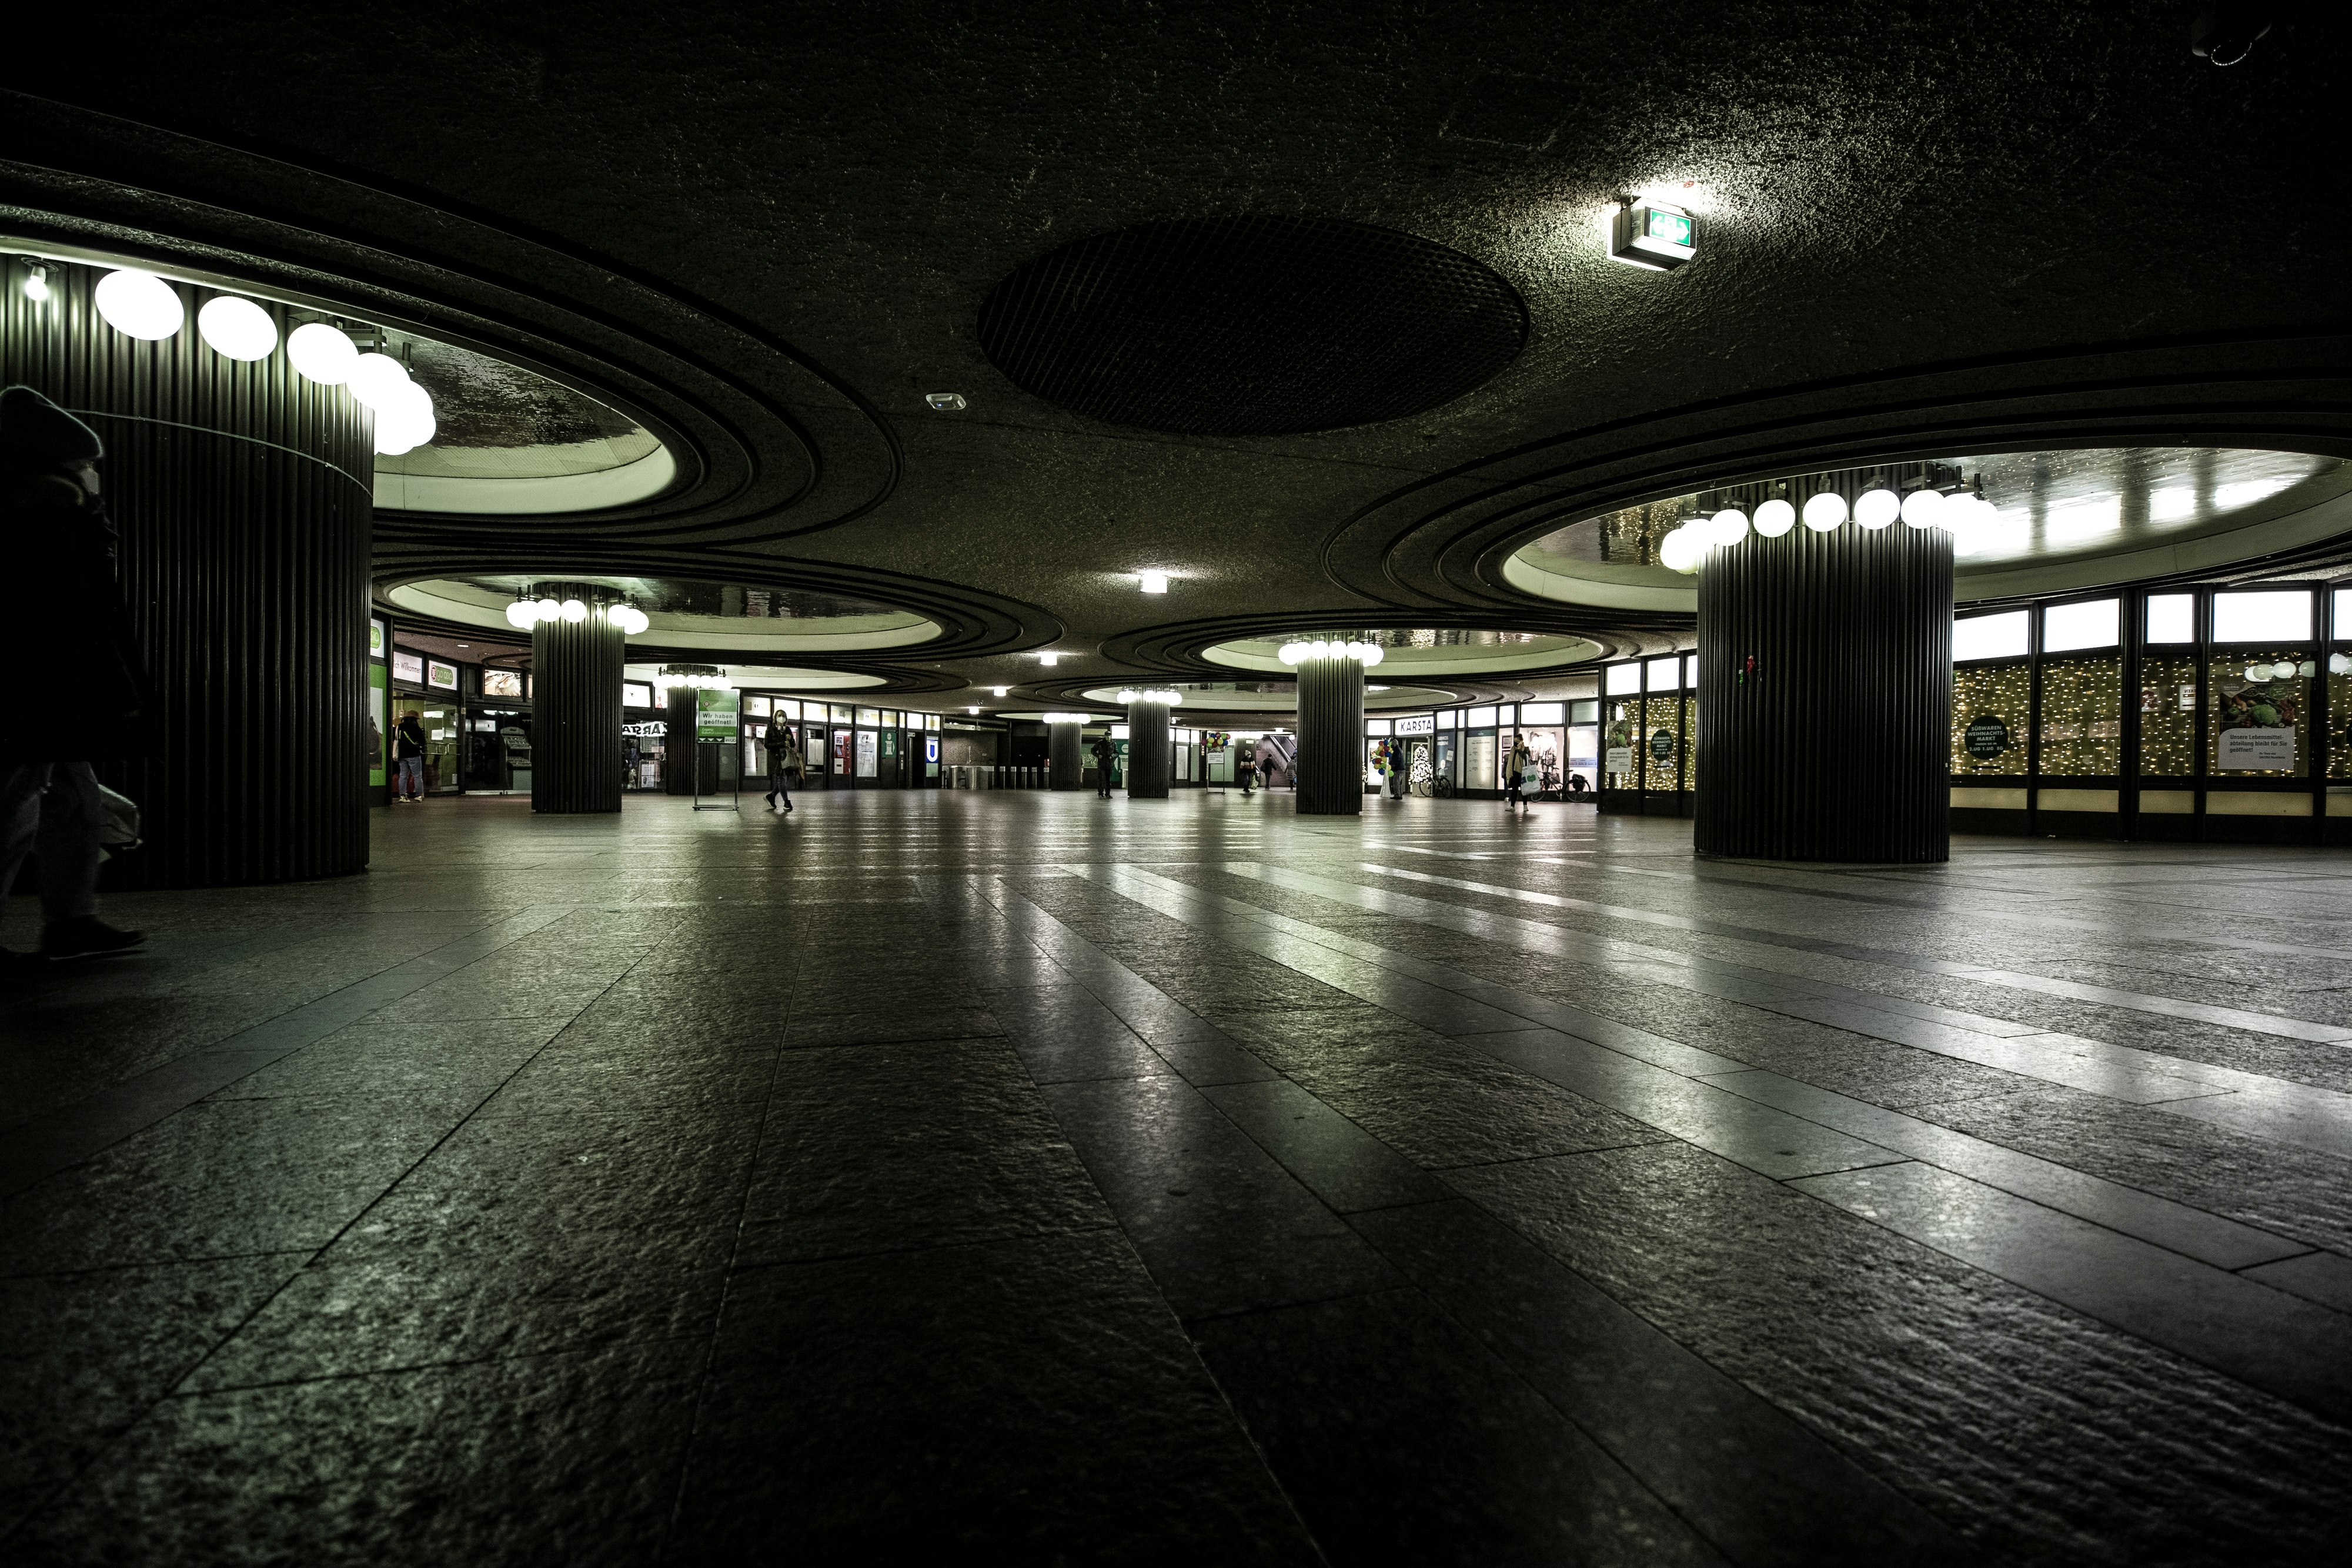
point(1252, 326)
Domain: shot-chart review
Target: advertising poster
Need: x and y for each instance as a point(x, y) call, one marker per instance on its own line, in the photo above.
point(717, 714)
point(868, 767)
point(2257, 719)
point(379, 701)
point(408, 667)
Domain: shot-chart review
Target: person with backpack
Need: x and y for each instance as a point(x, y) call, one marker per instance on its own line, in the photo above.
point(408, 757)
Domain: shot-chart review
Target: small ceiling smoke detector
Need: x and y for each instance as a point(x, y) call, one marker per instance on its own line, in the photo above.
point(946, 402)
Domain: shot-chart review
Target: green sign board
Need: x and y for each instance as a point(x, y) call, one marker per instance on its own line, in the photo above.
point(1662, 745)
point(1671, 227)
point(718, 714)
point(889, 743)
point(1987, 735)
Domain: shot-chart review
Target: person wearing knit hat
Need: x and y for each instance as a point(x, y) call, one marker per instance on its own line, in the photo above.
point(57, 544)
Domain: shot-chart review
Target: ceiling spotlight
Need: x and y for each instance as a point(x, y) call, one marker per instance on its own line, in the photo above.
point(1920, 507)
point(36, 283)
point(236, 329)
point(1654, 234)
point(1154, 581)
point(1775, 518)
point(998, 691)
point(1877, 508)
point(1065, 718)
point(1824, 511)
point(945, 402)
point(323, 351)
point(1049, 660)
point(139, 305)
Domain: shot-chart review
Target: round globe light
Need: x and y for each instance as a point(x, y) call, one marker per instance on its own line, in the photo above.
point(323, 351)
point(1729, 526)
point(237, 328)
point(551, 610)
point(2258, 671)
point(637, 622)
point(1321, 649)
point(373, 376)
point(1678, 552)
point(1291, 653)
point(139, 305)
point(1372, 654)
point(574, 612)
point(1920, 506)
point(2306, 669)
point(1775, 518)
point(521, 613)
point(1877, 508)
point(2339, 663)
point(1824, 511)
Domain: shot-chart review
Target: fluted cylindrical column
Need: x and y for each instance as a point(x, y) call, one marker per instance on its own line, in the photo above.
point(1148, 751)
point(680, 754)
point(1066, 760)
point(1331, 738)
point(243, 497)
point(1825, 697)
point(577, 713)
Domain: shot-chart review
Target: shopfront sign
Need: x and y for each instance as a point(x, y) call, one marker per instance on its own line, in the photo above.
point(375, 639)
point(409, 667)
point(718, 714)
point(657, 730)
point(1662, 745)
point(1422, 724)
point(2257, 748)
point(438, 674)
point(1620, 759)
point(1987, 735)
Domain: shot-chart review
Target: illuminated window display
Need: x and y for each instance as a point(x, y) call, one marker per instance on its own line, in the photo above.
point(2167, 717)
point(1991, 704)
point(1690, 737)
point(2339, 723)
point(1621, 749)
point(2260, 717)
point(2083, 716)
point(1661, 743)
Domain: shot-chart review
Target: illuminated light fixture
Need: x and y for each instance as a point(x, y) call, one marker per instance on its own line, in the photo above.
point(1154, 581)
point(574, 612)
point(1365, 654)
point(522, 614)
point(1165, 698)
point(139, 305)
point(1727, 526)
point(628, 618)
point(1921, 508)
point(945, 402)
point(373, 376)
point(323, 351)
point(1775, 518)
point(970, 710)
point(1049, 660)
point(1877, 508)
point(236, 329)
point(37, 285)
point(551, 610)
point(1069, 718)
point(1655, 234)
point(998, 691)
point(1682, 549)
point(1824, 511)
point(2339, 663)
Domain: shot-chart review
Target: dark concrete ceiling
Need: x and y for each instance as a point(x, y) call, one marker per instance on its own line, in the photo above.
point(767, 231)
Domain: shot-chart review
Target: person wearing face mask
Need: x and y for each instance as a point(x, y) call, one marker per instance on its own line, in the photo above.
point(55, 538)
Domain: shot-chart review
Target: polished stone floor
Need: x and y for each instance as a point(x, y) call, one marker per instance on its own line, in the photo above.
point(1035, 1177)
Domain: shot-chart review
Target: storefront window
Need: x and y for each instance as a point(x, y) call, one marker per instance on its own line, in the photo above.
point(2260, 721)
point(1481, 768)
point(2167, 717)
point(2083, 716)
point(1690, 739)
point(1621, 767)
point(1661, 740)
point(1990, 706)
point(2339, 706)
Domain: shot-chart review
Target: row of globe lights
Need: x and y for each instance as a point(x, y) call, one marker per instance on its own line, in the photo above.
point(142, 305)
point(1961, 514)
point(1169, 698)
point(662, 682)
point(1365, 654)
point(525, 613)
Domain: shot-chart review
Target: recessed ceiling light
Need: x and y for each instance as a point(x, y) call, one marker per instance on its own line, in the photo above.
point(465, 644)
point(999, 691)
point(1049, 660)
point(1154, 581)
point(971, 710)
point(945, 402)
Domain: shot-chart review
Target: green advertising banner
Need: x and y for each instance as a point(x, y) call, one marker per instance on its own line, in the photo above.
point(718, 714)
point(379, 724)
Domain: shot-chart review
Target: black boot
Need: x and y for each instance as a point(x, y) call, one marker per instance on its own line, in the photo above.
point(85, 935)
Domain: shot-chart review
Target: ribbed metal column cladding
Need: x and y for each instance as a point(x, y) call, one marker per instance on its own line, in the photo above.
point(1149, 755)
point(1065, 760)
point(576, 738)
point(1331, 738)
point(1834, 745)
point(242, 494)
point(680, 753)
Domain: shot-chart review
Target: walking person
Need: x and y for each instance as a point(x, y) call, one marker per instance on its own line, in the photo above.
point(1396, 769)
point(786, 767)
point(55, 536)
point(408, 757)
point(1515, 772)
point(1247, 769)
point(1103, 753)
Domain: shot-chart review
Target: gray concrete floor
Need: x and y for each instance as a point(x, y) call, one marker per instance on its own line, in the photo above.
point(1059, 1179)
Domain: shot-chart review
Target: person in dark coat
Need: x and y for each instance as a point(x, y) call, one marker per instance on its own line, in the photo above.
point(56, 539)
point(1103, 751)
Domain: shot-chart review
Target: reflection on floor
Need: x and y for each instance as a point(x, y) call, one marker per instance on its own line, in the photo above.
point(1186, 1180)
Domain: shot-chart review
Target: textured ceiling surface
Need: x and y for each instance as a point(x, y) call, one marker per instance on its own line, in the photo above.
point(767, 233)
